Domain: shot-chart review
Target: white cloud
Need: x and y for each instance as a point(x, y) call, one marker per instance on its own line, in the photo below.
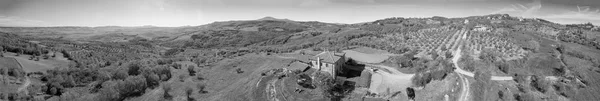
point(564, 16)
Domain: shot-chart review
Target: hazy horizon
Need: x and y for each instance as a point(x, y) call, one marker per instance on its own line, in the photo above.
point(174, 13)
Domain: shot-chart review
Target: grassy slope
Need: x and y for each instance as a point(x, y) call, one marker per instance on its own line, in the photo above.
point(585, 69)
point(7, 62)
point(42, 65)
point(225, 84)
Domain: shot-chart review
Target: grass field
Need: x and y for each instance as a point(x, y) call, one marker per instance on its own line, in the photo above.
point(8, 62)
point(224, 83)
point(42, 65)
point(364, 57)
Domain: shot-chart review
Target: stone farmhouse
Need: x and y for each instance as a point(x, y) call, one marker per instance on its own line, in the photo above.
point(329, 62)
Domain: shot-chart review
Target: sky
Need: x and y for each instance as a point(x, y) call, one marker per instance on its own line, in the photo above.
point(172, 13)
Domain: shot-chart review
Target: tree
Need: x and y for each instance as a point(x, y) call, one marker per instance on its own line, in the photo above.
point(188, 92)
point(239, 70)
point(120, 75)
point(45, 56)
point(201, 88)
point(134, 69)
point(176, 65)
point(191, 70)
point(54, 91)
point(132, 86)
point(405, 61)
point(532, 45)
point(448, 54)
point(152, 80)
point(166, 88)
point(69, 81)
point(503, 66)
point(434, 55)
point(19, 52)
point(539, 83)
point(108, 92)
point(182, 77)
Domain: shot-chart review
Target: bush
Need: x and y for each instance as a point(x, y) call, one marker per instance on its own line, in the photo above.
point(539, 83)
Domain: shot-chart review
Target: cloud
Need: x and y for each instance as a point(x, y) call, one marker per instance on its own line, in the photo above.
point(525, 10)
point(313, 3)
point(556, 13)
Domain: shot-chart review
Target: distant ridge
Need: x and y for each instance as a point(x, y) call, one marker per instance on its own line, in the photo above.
point(272, 18)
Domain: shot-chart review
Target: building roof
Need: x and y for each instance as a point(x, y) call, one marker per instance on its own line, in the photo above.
point(328, 56)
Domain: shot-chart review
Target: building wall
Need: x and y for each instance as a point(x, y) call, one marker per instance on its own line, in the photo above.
point(331, 68)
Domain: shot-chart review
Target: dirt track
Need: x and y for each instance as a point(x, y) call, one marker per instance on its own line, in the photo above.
point(389, 80)
point(465, 82)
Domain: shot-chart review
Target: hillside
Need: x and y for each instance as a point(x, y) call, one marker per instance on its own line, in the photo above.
point(477, 58)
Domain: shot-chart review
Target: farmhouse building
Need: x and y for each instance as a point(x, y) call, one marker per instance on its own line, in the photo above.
point(329, 62)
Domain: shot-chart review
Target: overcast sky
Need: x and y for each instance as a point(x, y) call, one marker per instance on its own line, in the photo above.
point(198, 12)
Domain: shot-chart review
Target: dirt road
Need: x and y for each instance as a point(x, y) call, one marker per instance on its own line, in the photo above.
point(465, 82)
point(27, 81)
point(25, 85)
